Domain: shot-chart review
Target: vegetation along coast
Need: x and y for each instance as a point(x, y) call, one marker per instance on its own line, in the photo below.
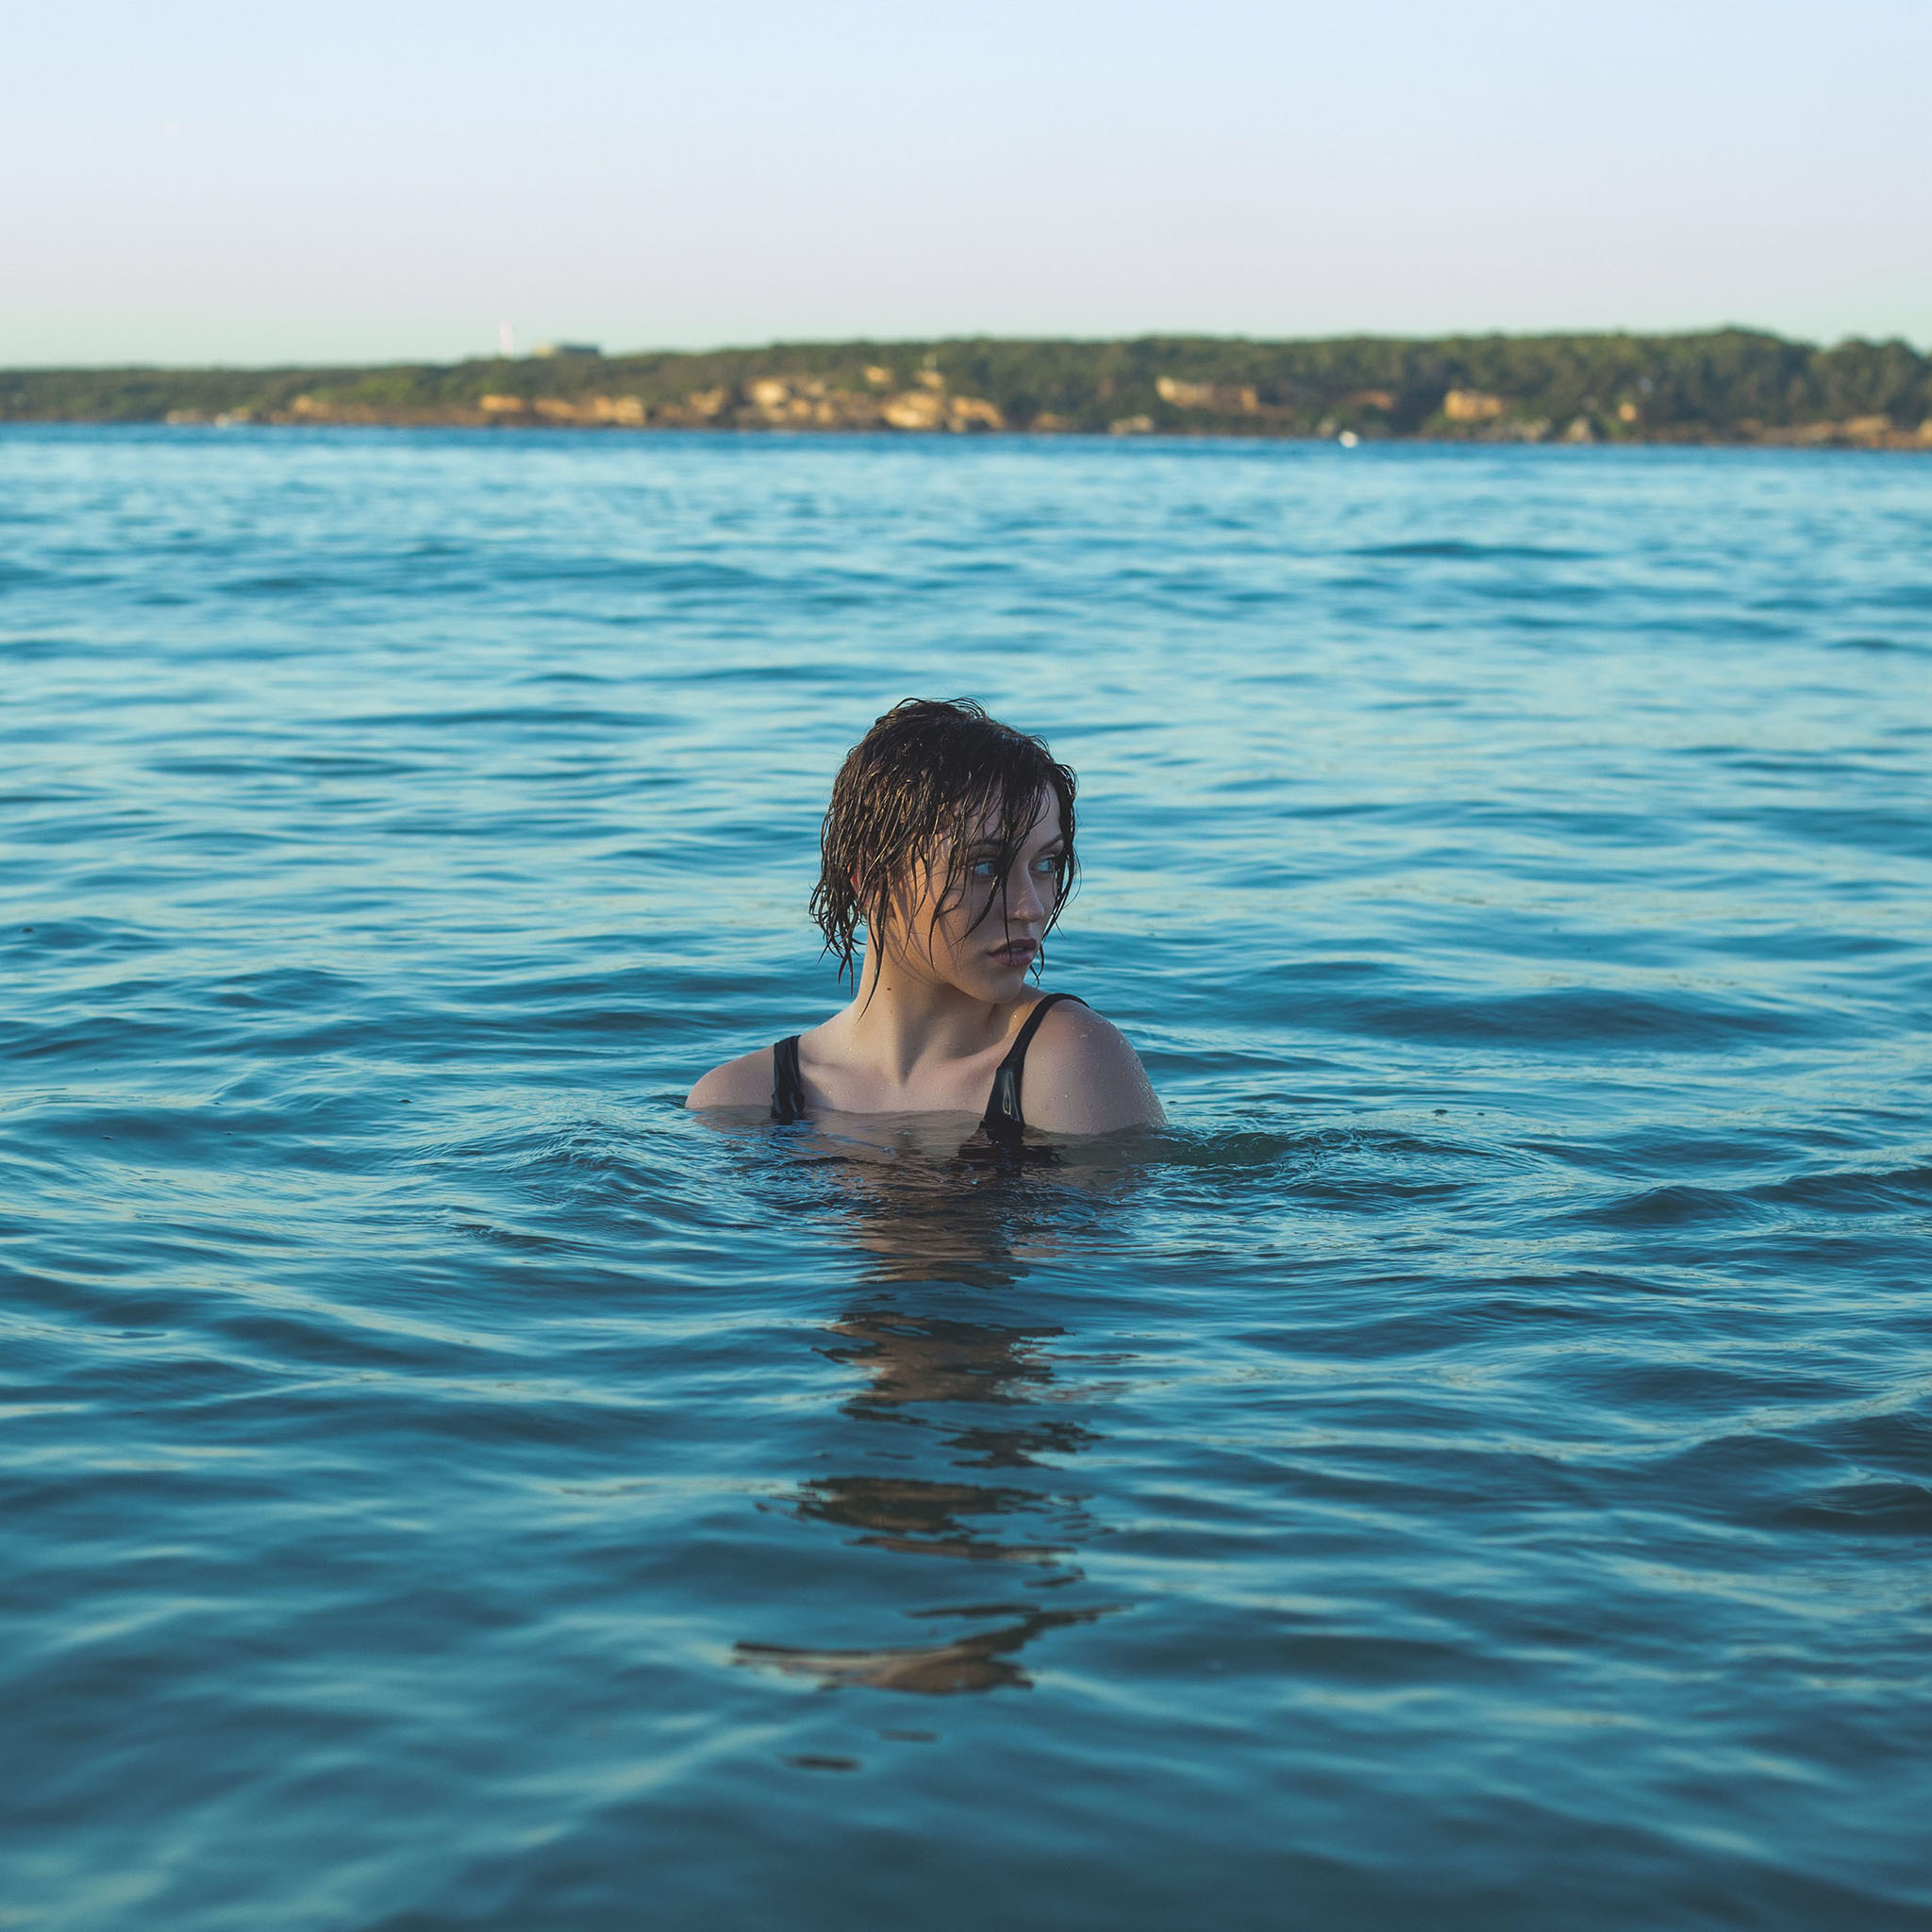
point(1733, 385)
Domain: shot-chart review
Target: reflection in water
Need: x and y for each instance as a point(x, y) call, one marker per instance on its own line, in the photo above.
point(923, 1518)
point(909, 1360)
point(971, 1395)
point(917, 1210)
point(979, 1662)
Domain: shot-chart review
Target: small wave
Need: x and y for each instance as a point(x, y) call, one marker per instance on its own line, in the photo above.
point(1851, 1192)
point(1461, 550)
point(1884, 646)
point(1583, 1020)
point(1867, 1509)
point(1674, 1205)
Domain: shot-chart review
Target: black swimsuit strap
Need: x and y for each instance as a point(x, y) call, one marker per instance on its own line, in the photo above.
point(787, 1084)
point(1003, 1120)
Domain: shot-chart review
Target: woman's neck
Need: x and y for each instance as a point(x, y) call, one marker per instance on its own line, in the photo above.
point(900, 1018)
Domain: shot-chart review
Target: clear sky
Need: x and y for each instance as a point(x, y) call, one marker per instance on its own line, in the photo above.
point(213, 181)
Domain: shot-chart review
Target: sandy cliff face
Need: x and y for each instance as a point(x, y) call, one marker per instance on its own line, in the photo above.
point(1472, 406)
point(931, 408)
point(1224, 399)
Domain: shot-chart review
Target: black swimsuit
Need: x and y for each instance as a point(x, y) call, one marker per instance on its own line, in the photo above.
point(1003, 1122)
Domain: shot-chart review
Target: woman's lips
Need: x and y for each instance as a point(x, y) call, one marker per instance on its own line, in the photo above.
point(1019, 954)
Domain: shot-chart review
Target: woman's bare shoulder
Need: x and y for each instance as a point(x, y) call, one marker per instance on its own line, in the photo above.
point(1084, 1078)
point(743, 1082)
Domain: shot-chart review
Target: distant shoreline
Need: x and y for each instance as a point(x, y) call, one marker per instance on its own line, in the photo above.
point(1728, 386)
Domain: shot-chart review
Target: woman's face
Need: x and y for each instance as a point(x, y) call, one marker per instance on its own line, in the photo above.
point(978, 941)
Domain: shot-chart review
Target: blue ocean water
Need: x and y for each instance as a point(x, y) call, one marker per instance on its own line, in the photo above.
point(1475, 1470)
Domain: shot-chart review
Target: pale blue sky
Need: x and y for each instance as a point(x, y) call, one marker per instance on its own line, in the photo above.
point(208, 181)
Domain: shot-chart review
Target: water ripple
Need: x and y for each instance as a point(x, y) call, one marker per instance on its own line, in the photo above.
point(1470, 1469)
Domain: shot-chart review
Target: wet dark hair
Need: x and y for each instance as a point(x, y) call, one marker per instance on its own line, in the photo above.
point(921, 780)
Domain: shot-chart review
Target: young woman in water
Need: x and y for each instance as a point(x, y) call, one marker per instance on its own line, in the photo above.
point(950, 842)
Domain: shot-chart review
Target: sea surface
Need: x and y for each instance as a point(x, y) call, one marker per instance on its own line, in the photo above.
point(1473, 1470)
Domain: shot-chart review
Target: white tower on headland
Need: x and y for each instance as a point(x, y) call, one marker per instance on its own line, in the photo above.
point(506, 340)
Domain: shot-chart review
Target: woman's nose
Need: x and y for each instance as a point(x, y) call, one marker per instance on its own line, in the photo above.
point(1025, 899)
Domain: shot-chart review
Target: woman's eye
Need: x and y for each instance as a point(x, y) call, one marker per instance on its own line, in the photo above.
point(986, 869)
